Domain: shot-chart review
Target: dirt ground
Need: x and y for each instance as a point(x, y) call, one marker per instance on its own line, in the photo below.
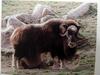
point(88, 29)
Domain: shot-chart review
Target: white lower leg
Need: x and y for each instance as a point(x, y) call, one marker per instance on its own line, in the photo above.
point(13, 61)
point(61, 64)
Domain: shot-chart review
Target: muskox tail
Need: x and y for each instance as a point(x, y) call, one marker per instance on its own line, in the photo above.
point(16, 36)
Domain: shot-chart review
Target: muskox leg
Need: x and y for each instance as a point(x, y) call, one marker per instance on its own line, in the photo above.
point(57, 63)
point(61, 64)
point(15, 62)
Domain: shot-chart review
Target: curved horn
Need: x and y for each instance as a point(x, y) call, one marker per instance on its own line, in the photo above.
point(64, 34)
point(63, 30)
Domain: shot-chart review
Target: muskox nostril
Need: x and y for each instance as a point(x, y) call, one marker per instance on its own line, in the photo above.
point(72, 44)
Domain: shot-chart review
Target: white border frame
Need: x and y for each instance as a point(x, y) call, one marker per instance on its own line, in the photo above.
point(97, 62)
point(0, 31)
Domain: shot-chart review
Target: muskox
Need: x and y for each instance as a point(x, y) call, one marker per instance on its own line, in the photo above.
point(57, 36)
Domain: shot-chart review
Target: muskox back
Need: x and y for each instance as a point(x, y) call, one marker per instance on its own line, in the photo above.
point(31, 40)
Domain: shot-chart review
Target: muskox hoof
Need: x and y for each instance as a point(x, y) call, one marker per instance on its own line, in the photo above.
point(57, 64)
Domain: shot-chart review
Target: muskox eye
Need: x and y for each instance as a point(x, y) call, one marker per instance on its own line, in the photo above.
point(65, 26)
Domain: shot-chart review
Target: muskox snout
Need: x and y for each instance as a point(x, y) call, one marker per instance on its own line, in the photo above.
point(72, 41)
point(72, 44)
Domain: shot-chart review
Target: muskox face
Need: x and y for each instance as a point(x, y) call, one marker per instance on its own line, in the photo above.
point(70, 33)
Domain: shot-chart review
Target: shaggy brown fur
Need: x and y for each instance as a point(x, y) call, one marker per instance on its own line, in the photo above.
point(30, 41)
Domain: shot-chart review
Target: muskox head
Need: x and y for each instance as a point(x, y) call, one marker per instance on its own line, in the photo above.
point(70, 31)
point(67, 29)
